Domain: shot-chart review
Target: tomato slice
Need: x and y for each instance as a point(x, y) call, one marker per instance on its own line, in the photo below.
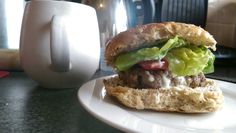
point(154, 65)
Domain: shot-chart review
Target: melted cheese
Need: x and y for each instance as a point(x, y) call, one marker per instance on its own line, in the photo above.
point(150, 76)
point(165, 81)
point(182, 80)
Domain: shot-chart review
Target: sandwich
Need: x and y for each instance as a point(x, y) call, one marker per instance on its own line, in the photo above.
point(162, 67)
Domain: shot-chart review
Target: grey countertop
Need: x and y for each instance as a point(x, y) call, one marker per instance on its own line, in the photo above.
point(27, 108)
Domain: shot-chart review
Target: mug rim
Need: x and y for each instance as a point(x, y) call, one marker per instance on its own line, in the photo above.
point(60, 2)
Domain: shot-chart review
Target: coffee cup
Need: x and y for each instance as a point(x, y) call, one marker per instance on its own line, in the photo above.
point(59, 43)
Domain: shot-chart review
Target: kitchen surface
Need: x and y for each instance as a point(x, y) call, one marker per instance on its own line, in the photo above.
point(27, 107)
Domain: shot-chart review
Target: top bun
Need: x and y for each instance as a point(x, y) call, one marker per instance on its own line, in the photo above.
point(144, 35)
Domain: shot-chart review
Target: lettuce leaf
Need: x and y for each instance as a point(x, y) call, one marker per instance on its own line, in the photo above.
point(190, 60)
point(127, 60)
point(210, 64)
point(184, 59)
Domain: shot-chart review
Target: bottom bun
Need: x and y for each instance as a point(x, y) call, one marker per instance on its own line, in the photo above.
point(208, 98)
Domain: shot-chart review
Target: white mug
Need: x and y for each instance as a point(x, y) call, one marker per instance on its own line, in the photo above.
point(59, 44)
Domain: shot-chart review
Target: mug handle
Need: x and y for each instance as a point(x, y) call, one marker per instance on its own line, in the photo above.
point(59, 45)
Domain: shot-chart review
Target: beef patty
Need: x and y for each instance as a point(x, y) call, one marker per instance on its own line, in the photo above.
point(140, 78)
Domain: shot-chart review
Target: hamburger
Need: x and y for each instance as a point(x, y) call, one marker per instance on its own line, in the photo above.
point(162, 67)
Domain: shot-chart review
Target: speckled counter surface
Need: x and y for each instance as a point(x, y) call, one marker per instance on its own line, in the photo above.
point(27, 108)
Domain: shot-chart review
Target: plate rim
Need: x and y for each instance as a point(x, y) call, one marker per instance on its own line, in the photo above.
point(126, 129)
point(110, 123)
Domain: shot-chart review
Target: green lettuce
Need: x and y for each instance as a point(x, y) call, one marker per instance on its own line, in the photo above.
point(190, 60)
point(183, 58)
point(127, 60)
point(210, 64)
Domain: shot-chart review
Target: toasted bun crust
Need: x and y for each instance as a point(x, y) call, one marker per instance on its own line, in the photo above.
point(145, 34)
point(175, 99)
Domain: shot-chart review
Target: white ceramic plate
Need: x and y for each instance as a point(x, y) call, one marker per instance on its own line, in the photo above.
point(92, 96)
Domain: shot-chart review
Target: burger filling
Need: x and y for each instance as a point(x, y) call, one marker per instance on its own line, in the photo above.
point(140, 78)
point(176, 62)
